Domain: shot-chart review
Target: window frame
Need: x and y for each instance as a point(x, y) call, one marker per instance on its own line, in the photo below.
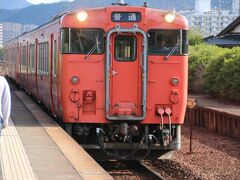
point(181, 46)
point(135, 48)
point(24, 56)
point(69, 40)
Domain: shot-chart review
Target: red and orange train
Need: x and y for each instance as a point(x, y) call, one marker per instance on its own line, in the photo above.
point(116, 76)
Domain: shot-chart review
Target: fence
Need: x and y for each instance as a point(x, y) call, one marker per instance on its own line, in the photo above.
point(215, 121)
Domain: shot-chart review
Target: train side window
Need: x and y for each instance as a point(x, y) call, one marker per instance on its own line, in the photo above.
point(32, 57)
point(47, 59)
point(162, 42)
point(54, 58)
point(125, 48)
point(40, 58)
point(13, 55)
point(29, 58)
point(24, 55)
point(43, 57)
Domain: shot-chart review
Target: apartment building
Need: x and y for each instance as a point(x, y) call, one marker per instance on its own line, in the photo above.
point(12, 30)
point(1, 36)
point(211, 21)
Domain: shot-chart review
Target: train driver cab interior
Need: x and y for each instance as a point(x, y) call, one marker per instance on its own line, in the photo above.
point(82, 41)
point(167, 42)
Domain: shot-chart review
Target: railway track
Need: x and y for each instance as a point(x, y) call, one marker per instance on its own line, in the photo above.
point(129, 170)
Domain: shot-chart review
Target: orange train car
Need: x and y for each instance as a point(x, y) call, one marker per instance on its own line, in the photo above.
point(115, 76)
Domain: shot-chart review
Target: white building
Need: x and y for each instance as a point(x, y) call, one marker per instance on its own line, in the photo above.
point(12, 30)
point(211, 22)
point(28, 27)
point(202, 6)
point(236, 7)
point(1, 36)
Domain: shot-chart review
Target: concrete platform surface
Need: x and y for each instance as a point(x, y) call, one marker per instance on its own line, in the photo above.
point(35, 147)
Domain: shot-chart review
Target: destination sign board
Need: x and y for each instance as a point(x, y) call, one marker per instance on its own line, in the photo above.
point(126, 17)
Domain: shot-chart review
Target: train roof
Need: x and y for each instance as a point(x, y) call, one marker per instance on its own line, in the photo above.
point(151, 14)
point(148, 13)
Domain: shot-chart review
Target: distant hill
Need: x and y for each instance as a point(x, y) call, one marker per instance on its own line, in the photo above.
point(42, 13)
point(14, 4)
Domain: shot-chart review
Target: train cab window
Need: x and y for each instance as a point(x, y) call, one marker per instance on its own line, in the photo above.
point(65, 40)
point(164, 42)
point(125, 48)
point(184, 42)
point(82, 41)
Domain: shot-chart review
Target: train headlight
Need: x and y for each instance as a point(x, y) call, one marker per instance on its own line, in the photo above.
point(82, 16)
point(169, 17)
point(174, 81)
point(75, 80)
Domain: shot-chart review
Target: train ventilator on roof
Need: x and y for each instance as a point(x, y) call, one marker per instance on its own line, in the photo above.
point(169, 17)
point(82, 16)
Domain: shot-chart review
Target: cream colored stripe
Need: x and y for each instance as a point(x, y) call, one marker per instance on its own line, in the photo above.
point(14, 161)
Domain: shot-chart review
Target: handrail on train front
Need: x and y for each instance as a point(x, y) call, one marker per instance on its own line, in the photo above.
point(118, 29)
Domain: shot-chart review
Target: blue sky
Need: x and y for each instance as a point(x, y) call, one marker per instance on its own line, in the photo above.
point(44, 1)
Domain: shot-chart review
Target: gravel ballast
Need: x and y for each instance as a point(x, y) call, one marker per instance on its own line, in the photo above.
point(213, 157)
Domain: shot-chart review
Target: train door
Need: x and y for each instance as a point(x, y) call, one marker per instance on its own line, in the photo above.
point(126, 86)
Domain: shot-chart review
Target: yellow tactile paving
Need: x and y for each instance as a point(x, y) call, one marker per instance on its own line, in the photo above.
point(14, 161)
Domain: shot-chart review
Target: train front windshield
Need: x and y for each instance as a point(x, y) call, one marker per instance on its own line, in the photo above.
point(82, 41)
point(163, 42)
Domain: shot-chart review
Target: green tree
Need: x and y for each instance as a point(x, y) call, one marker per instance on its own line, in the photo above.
point(222, 78)
point(200, 56)
point(1, 54)
point(195, 36)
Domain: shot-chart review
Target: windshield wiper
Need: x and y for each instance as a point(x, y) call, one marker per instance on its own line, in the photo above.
point(173, 50)
point(95, 46)
point(92, 50)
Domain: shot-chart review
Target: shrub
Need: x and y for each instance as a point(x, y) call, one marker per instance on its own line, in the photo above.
point(222, 77)
point(195, 36)
point(200, 57)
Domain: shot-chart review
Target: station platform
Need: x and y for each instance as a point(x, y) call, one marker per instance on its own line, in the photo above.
point(216, 115)
point(207, 101)
point(34, 146)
